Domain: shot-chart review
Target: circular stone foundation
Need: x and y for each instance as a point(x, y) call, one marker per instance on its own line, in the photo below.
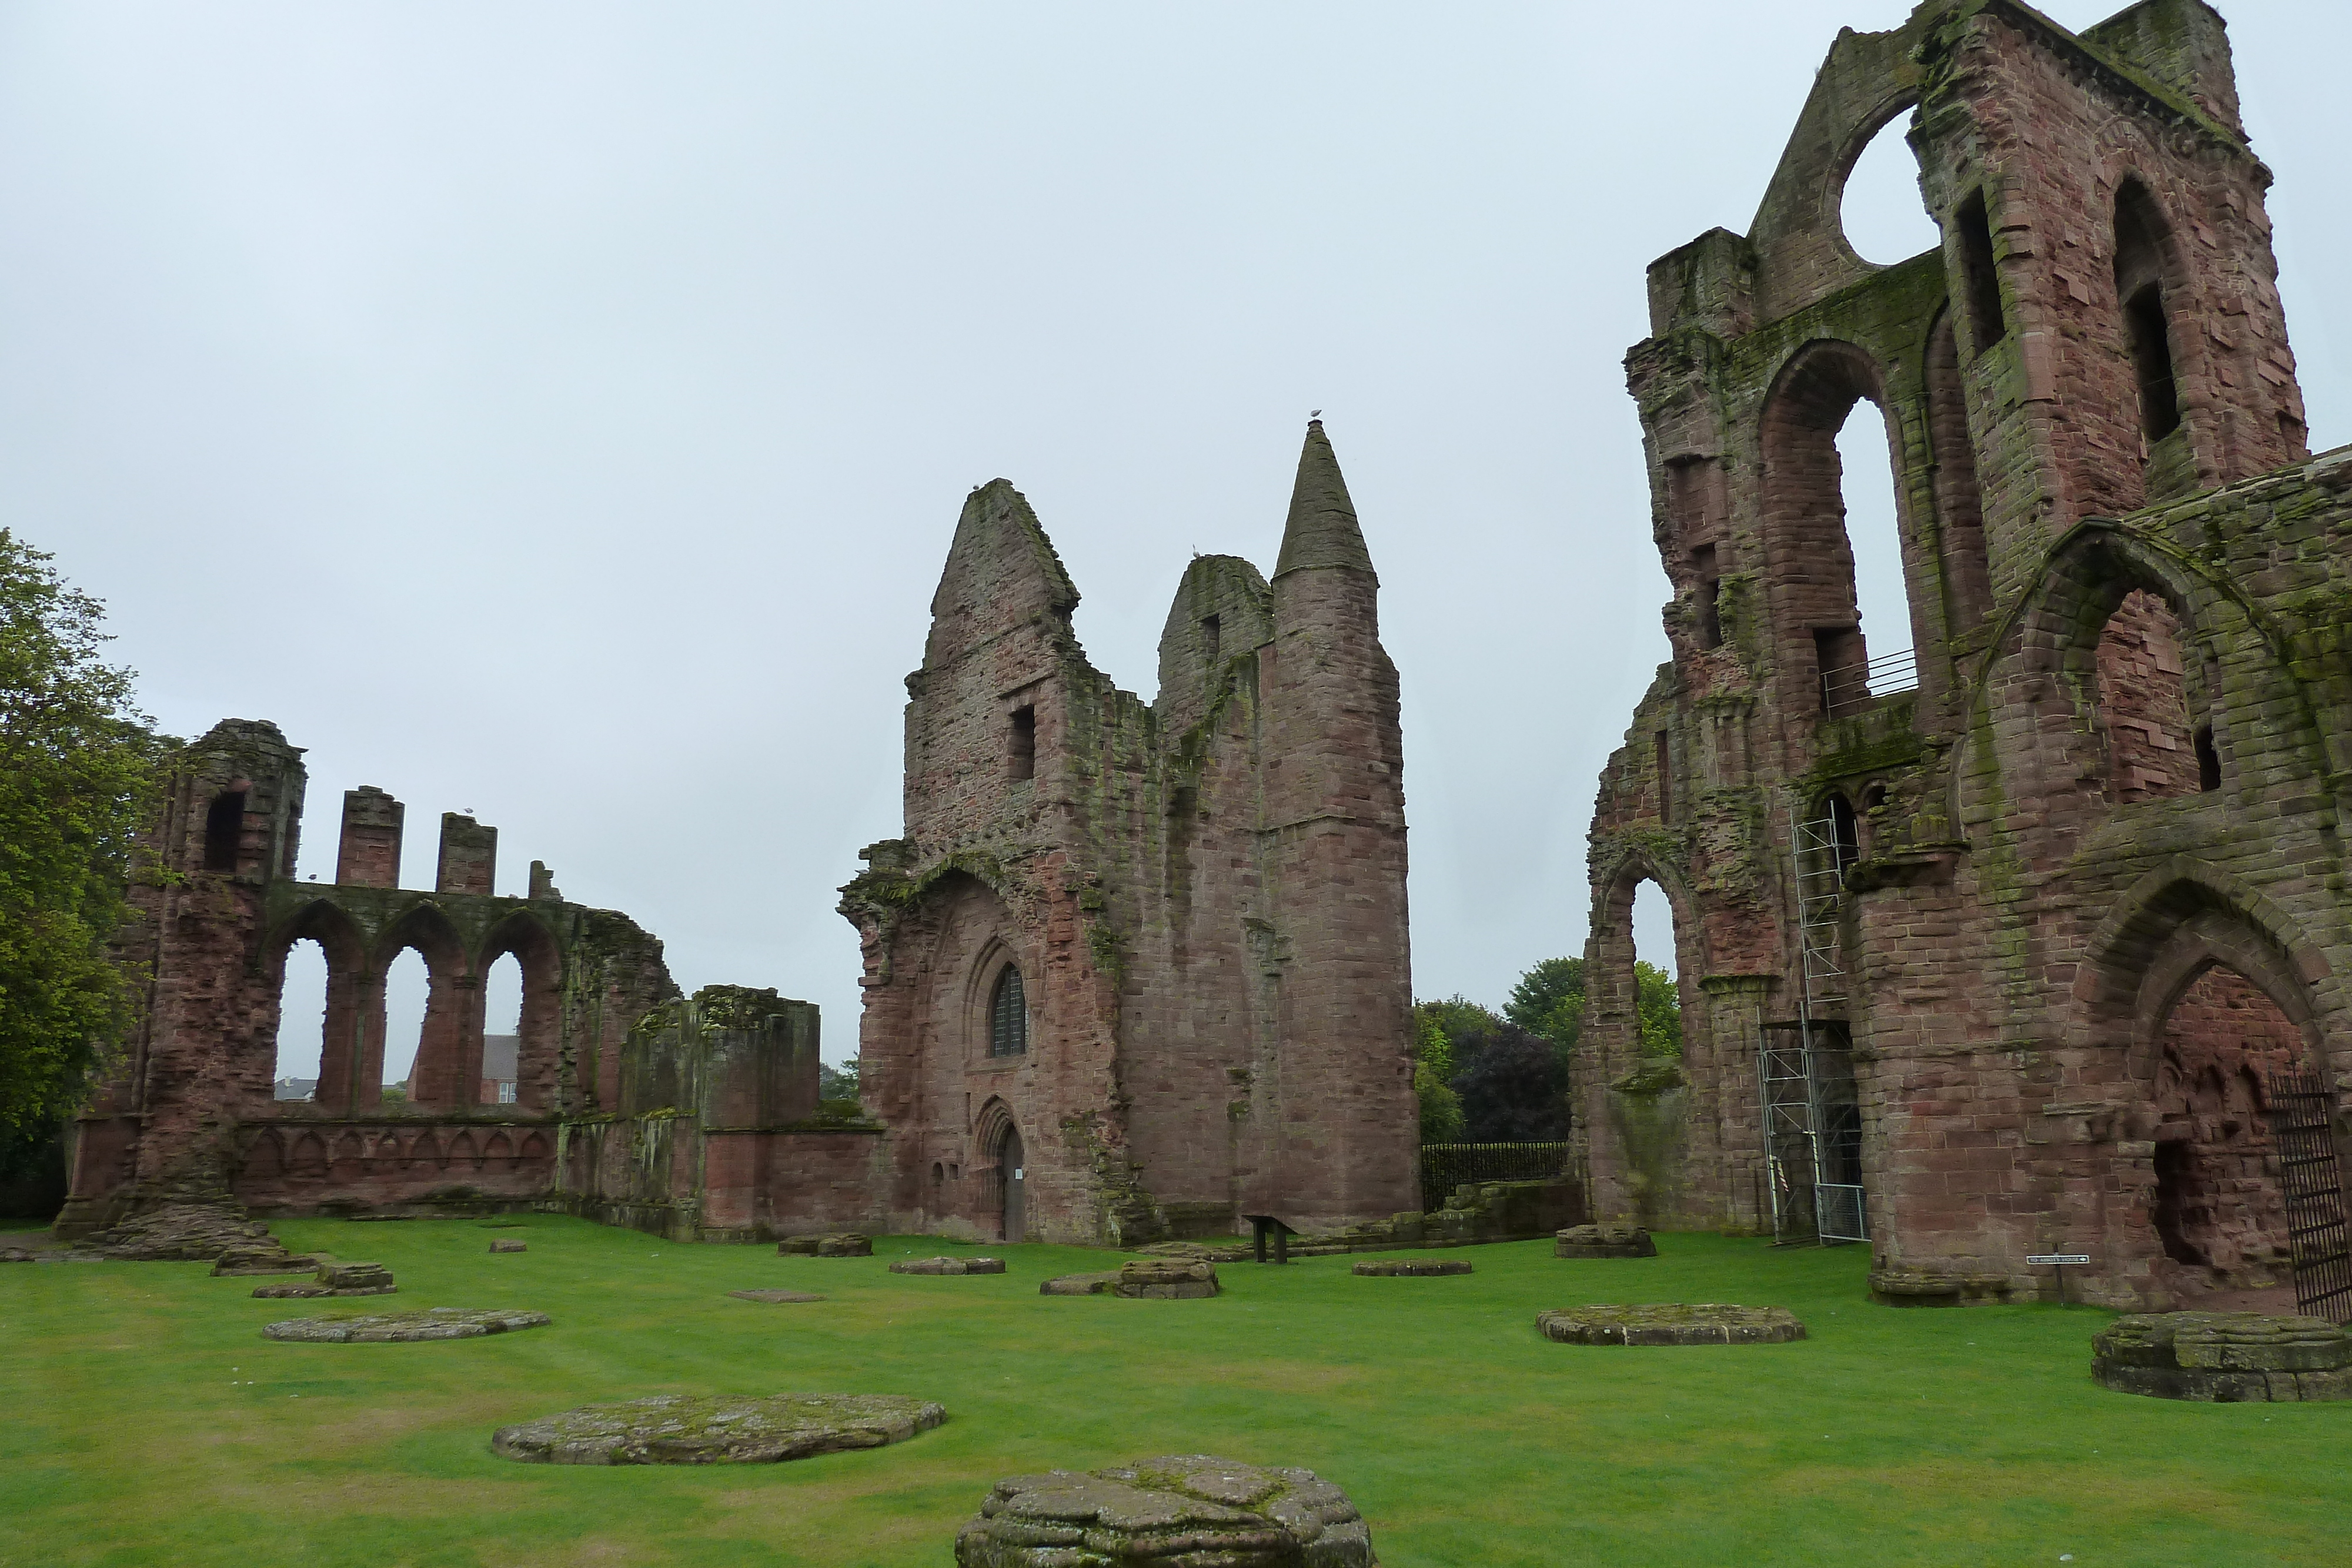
point(690, 1430)
point(1188, 1508)
point(1412, 1268)
point(1708, 1324)
point(2223, 1357)
point(1603, 1241)
point(950, 1266)
point(401, 1328)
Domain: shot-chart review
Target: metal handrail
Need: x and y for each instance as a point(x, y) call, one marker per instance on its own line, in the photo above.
point(1889, 675)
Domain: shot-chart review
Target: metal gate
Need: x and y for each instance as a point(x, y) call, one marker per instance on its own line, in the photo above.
point(2303, 1131)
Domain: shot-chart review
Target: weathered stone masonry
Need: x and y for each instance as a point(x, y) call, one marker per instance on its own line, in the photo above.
point(692, 1117)
point(1151, 957)
point(2093, 879)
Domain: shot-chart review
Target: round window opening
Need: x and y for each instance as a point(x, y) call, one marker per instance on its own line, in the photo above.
point(1885, 218)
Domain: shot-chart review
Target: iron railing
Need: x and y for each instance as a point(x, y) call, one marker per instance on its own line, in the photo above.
point(1887, 675)
point(1444, 1167)
point(2319, 1245)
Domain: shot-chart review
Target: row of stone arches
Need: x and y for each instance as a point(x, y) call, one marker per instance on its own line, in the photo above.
point(316, 1154)
point(448, 1070)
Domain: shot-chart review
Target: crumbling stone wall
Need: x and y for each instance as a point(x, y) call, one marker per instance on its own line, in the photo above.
point(718, 1133)
point(2123, 762)
point(218, 906)
point(1203, 899)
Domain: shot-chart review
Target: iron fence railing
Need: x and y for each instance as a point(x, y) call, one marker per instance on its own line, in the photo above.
point(1843, 691)
point(2319, 1242)
point(1444, 1167)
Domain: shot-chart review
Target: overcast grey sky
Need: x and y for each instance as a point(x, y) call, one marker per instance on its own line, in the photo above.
point(562, 411)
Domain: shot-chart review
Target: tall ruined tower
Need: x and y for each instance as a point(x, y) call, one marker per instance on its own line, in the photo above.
point(1952, 897)
point(1139, 971)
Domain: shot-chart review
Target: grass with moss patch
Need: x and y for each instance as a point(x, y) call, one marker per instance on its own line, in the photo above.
point(149, 1422)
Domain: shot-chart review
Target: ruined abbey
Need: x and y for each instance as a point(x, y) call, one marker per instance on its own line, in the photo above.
point(1999, 931)
point(1135, 971)
point(1996, 929)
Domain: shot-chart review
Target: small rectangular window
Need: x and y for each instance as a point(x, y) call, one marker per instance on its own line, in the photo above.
point(1982, 275)
point(1709, 595)
point(2208, 760)
point(1212, 638)
point(1021, 744)
point(225, 830)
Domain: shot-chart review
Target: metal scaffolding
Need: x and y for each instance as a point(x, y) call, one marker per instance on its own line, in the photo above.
point(1811, 1123)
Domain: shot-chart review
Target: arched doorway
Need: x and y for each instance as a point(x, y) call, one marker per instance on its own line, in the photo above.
point(1011, 1177)
point(2217, 1209)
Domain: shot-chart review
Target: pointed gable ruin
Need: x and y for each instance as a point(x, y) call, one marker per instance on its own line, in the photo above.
point(1139, 970)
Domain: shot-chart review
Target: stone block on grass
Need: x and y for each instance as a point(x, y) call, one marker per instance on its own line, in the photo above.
point(1166, 1278)
point(1674, 1323)
point(1176, 1508)
point(1412, 1268)
point(338, 1279)
point(504, 1244)
point(1098, 1284)
point(2224, 1357)
point(401, 1328)
point(236, 1262)
point(949, 1266)
point(776, 1297)
point(1604, 1241)
point(705, 1429)
point(838, 1244)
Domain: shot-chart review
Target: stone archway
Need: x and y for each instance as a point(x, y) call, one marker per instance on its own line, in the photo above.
point(2216, 1209)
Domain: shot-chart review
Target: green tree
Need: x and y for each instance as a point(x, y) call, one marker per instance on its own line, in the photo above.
point(1548, 1001)
point(79, 766)
point(1432, 1065)
point(1659, 1004)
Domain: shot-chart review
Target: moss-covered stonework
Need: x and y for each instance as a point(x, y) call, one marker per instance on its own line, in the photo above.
point(1174, 1508)
point(717, 1429)
point(1710, 1323)
point(403, 1328)
point(2224, 1357)
point(2122, 761)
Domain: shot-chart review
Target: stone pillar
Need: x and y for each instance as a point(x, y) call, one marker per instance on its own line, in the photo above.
point(369, 855)
point(469, 855)
point(1733, 1003)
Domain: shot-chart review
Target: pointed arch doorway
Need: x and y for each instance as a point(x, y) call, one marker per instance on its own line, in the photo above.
point(1012, 1179)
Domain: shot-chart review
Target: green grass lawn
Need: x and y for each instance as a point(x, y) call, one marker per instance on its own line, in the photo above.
point(147, 1422)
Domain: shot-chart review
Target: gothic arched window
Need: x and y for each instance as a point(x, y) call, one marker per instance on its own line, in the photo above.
point(1008, 1016)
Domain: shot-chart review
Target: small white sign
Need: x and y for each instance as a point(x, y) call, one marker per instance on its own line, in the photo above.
point(2046, 1259)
